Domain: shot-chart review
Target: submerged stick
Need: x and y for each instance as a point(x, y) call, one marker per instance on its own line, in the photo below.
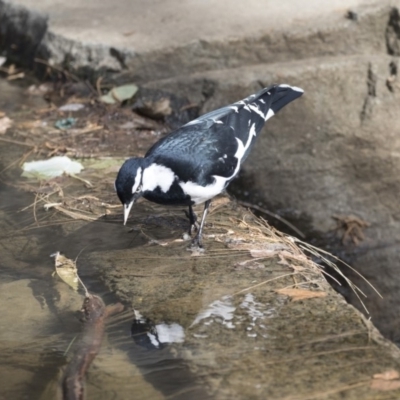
point(95, 313)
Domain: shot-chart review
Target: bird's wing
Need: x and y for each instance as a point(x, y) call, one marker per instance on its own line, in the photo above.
point(216, 143)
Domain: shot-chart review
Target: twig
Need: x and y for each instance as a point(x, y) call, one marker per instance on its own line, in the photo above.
point(95, 313)
point(63, 71)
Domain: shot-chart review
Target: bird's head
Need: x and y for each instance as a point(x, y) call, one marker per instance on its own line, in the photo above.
point(128, 184)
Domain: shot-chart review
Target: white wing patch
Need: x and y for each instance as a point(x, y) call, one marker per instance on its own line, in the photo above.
point(157, 175)
point(269, 114)
point(199, 194)
point(295, 88)
point(257, 110)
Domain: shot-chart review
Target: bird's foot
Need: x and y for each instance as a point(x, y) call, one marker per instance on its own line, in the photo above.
point(196, 246)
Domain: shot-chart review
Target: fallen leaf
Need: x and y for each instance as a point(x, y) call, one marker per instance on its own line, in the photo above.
point(5, 123)
point(55, 166)
point(300, 294)
point(108, 98)
point(384, 385)
point(119, 94)
point(124, 92)
point(66, 270)
point(387, 375)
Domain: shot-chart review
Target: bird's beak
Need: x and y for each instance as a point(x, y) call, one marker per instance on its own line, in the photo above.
point(127, 209)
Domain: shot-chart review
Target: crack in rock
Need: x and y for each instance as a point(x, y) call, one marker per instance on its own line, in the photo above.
point(370, 99)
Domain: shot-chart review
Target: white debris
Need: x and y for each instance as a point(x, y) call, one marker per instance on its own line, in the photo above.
point(55, 166)
point(72, 107)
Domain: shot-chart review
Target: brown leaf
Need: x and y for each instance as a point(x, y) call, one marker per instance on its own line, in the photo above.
point(384, 385)
point(387, 375)
point(66, 270)
point(300, 294)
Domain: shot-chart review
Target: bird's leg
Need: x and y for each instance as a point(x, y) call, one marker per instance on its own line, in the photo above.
point(197, 241)
point(192, 219)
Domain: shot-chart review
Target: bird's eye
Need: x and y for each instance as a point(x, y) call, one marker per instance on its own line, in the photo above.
point(139, 189)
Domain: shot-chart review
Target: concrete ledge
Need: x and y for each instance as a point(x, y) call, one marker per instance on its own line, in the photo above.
point(279, 34)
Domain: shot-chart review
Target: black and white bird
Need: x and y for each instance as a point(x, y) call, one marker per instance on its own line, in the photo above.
point(198, 161)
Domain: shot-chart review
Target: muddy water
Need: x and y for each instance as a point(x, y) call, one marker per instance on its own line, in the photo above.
point(195, 326)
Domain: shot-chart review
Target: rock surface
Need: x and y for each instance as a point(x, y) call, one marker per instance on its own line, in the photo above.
point(221, 315)
point(333, 153)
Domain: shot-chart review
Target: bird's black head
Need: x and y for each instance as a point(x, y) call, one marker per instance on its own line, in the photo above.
point(128, 184)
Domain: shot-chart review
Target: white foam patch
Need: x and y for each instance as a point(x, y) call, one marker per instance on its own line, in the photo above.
point(172, 333)
point(157, 176)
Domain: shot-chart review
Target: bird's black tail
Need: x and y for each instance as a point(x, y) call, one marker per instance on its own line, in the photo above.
point(252, 112)
point(273, 97)
point(283, 95)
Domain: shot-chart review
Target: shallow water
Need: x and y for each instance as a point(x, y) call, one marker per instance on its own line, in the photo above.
point(40, 314)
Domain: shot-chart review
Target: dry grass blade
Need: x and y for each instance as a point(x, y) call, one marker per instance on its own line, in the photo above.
point(264, 282)
point(297, 250)
point(317, 253)
point(276, 216)
point(307, 247)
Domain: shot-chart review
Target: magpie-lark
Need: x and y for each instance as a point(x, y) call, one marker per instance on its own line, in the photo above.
point(198, 161)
